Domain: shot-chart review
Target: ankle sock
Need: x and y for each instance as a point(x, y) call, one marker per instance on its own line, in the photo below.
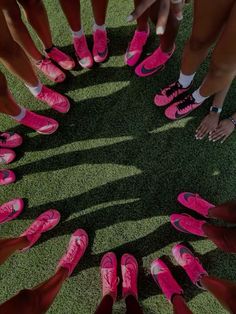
point(198, 97)
point(35, 90)
point(78, 34)
point(99, 27)
point(21, 115)
point(186, 80)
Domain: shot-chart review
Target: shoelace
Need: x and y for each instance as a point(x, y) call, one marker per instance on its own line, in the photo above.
point(135, 43)
point(81, 45)
point(128, 277)
point(173, 89)
point(36, 227)
point(185, 103)
point(70, 255)
point(57, 55)
point(101, 40)
point(6, 208)
point(49, 96)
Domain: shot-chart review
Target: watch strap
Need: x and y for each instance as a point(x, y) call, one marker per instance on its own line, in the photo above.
point(215, 109)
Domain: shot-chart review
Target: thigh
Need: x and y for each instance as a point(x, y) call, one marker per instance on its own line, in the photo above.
point(11, 10)
point(224, 53)
point(209, 18)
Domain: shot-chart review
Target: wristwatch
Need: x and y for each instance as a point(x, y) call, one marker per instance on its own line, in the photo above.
point(232, 120)
point(215, 109)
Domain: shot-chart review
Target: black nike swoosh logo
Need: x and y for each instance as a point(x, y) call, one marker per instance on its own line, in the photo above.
point(179, 227)
point(187, 195)
point(102, 54)
point(178, 116)
point(152, 70)
point(185, 250)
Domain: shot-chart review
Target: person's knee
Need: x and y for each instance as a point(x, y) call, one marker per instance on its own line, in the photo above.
point(198, 43)
point(220, 69)
point(13, 17)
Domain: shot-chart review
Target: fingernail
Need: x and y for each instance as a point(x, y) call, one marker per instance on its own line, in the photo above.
point(130, 18)
point(160, 30)
point(179, 17)
point(214, 140)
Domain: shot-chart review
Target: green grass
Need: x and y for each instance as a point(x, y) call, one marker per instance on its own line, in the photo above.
point(114, 168)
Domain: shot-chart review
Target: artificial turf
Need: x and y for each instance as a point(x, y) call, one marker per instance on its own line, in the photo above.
point(114, 168)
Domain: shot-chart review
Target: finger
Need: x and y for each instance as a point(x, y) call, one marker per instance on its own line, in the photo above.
point(203, 132)
point(199, 130)
point(164, 11)
point(140, 9)
point(218, 136)
point(177, 8)
point(225, 138)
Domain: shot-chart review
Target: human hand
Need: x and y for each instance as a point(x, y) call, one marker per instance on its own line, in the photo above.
point(223, 131)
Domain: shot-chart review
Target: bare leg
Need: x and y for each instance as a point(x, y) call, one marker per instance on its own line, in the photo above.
point(14, 58)
point(206, 28)
point(142, 22)
point(105, 307)
point(180, 306)
point(224, 238)
point(71, 10)
point(223, 63)
point(10, 246)
point(99, 11)
point(37, 16)
point(18, 29)
point(39, 299)
point(224, 291)
point(226, 212)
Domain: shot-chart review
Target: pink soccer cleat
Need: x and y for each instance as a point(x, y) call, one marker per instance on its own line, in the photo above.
point(182, 108)
point(11, 210)
point(83, 54)
point(154, 63)
point(54, 100)
point(45, 222)
point(6, 156)
point(165, 280)
point(41, 124)
point(195, 202)
point(187, 224)
point(108, 269)
point(129, 270)
point(100, 48)
point(65, 61)
point(7, 177)
point(51, 70)
point(10, 139)
point(169, 93)
point(185, 258)
point(135, 48)
point(76, 249)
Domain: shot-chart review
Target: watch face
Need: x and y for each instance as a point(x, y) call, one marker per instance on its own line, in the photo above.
point(214, 109)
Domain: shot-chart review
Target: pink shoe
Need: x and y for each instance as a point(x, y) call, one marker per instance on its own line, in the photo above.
point(51, 70)
point(100, 48)
point(195, 202)
point(54, 100)
point(169, 93)
point(154, 63)
point(10, 139)
point(135, 47)
point(6, 156)
point(77, 246)
point(11, 210)
point(182, 108)
point(7, 177)
point(185, 258)
point(82, 52)
point(187, 224)
point(108, 269)
point(65, 61)
point(129, 270)
point(165, 280)
point(45, 222)
point(41, 124)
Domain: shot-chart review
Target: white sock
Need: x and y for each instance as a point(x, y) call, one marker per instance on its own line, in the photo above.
point(78, 34)
point(186, 80)
point(198, 97)
point(21, 115)
point(35, 90)
point(99, 27)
